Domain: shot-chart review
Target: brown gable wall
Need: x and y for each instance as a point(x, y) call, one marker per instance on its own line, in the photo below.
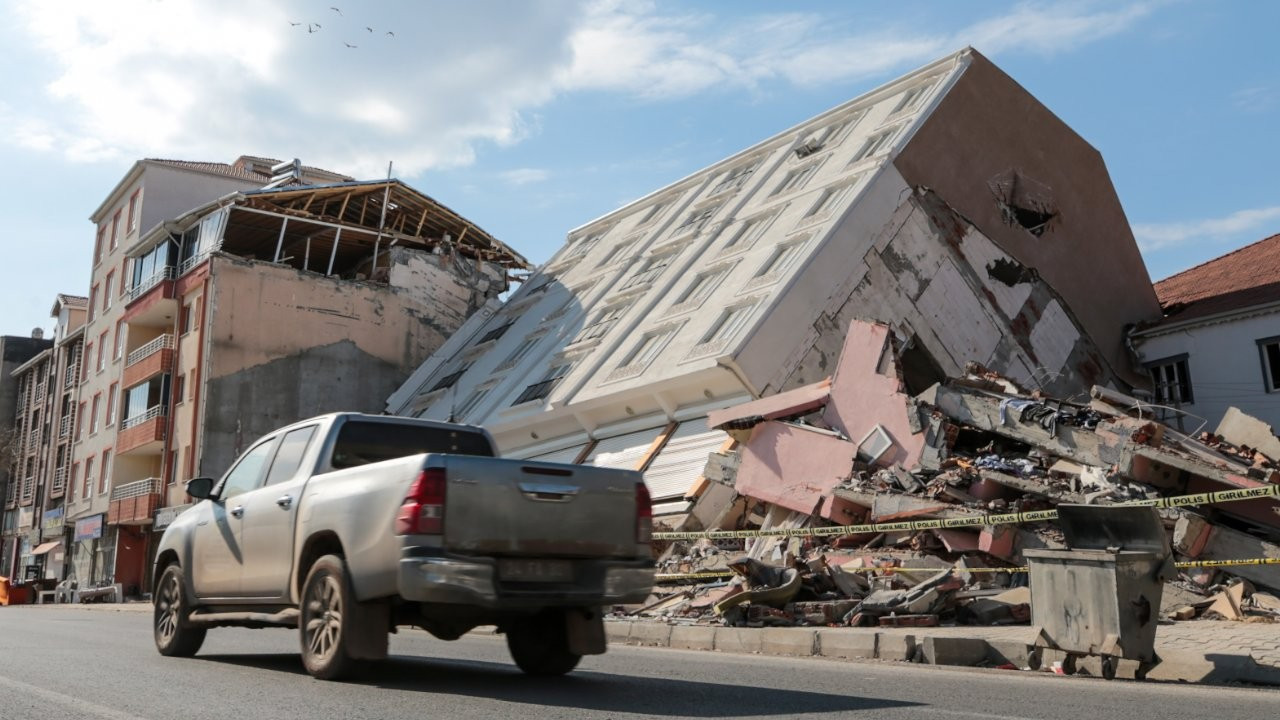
point(988, 124)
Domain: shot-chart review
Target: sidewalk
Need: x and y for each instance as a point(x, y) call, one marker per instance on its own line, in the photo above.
point(1202, 651)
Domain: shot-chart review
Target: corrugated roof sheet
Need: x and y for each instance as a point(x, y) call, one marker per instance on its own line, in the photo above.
point(1240, 279)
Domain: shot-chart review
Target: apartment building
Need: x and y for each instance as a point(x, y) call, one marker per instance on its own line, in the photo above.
point(153, 192)
point(253, 310)
point(41, 451)
point(15, 403)
point(949, 204)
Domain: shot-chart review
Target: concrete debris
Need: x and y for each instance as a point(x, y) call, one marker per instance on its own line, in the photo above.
point(969, 447)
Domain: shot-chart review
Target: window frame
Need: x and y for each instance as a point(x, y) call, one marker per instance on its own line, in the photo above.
point(1270, 365)
point(1182, 369)
point(541, 389)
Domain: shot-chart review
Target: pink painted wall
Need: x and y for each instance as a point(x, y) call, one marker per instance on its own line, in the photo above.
point(861, 397)
point(794, 467)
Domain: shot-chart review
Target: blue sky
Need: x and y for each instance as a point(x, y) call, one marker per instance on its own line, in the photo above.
point(532, 118)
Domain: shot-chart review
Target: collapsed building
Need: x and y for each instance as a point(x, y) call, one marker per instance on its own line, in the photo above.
point(949, 205)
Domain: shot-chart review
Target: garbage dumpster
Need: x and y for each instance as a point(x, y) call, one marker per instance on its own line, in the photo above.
point(1101, 596)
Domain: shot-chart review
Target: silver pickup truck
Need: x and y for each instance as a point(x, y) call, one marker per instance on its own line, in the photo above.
point(348, 526)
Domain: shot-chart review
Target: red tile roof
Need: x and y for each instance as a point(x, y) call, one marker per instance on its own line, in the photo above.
point(1240, 279)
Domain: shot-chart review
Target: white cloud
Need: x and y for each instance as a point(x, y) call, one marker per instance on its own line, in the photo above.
point(1159, 236)
point(204, 80)
point(524, 176)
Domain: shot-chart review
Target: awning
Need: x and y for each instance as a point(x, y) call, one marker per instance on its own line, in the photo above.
point(43, 548)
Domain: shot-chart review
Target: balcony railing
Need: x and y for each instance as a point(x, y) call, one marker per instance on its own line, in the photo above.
point(70, 374)
point(169, 272)
point(59, 481)
point(38, 396)
point(195, 260)
point(140, 488)
point(151, 413)
point(164, 342)
point(66, 423)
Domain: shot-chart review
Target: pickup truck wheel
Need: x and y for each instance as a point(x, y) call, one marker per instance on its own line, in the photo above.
point(326, 619)
point(540, 645)
point(173, 637)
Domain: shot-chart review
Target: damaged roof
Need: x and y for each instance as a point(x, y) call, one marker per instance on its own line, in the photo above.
point(240, 169)
point(1240, 279)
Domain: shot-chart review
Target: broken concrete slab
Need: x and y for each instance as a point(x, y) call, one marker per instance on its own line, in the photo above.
point(1218, 542)
point(1239, 429)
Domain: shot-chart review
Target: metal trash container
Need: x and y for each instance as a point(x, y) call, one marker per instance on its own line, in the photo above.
point(1101, 596)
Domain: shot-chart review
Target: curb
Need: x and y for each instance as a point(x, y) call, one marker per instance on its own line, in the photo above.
point(850, 644)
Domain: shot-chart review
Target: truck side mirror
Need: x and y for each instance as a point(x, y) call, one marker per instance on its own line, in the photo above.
point(201, 488)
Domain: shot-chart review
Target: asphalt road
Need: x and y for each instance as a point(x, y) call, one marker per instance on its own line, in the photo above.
point(90, 664)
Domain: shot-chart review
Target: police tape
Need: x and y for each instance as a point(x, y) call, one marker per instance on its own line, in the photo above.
point(1221, 496)
point(1187, 565)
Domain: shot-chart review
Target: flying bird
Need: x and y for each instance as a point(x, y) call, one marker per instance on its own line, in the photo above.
point(295, 24)
point(335, 9)
point(391, 33)
point(312, 27)
point(366, 27)
point(344, 42)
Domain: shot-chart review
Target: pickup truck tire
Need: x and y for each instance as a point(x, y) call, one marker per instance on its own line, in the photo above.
point(173, 637)
point(540, 645)
point(326, 621)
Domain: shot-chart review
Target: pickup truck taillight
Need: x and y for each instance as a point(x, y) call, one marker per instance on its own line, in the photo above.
point(644, 514)
point(422, 512)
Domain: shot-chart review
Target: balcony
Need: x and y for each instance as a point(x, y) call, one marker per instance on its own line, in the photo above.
point(152, 359)
point(143, 433)
point(152, 303)
point(59, 483)
point(65, 425)
point(135, 503)
point(70, 375)
point(38, 396)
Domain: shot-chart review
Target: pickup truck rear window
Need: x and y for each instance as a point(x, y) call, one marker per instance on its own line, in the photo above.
point(361, 443)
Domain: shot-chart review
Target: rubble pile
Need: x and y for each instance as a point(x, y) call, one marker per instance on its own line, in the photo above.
point(872, 509)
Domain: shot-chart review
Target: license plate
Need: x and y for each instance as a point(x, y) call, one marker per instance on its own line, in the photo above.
point(535, 570)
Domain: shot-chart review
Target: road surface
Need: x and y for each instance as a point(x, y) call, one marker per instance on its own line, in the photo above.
point(61, 662)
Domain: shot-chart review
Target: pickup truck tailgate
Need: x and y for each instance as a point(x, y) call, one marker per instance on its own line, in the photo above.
point(528, 508)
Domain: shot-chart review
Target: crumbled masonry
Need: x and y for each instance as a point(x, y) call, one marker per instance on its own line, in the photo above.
point(978, 446)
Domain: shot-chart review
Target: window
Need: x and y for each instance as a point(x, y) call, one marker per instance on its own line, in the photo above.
point(87, 487)
point(697, 219)
point(197, 312)
point(583, 246)
point(124, 277)
point(111, 404)
point(469, 404)
point(650, 345)
point(289, 457)
point(650, 271)
point(119, 338)
point(495, 333)
point(71, 485)
point(93, 417)
point(1171, 380)
point(93, 302)
point(184, 319)
point(1270, 349)
point(80, 420)
point(543, 387)
point(781, 261)
point(735, 178)
point(84, 368)
point(104, 480)
point(247, 474)
point(179, 384)
point(730, 322)
point(874, 144)
point(796, 179)
point(617, 252)
point(360, 443)
point(173, 467)
point(603, 321)
point(525, 346)
point(653, 212)
point(829, 199)
point(748, 233)
point(910, 99)
point(106, 291)
point(102, 355)
point(702, 287)
point(115, 230)
point(450, 379)
point(132, 223)
point(97, 246)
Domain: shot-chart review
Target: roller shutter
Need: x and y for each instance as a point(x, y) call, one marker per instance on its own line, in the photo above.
point(682, 459)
